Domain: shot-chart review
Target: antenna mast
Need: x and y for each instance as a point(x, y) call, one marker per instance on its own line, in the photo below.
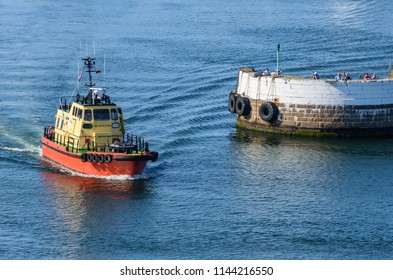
point(104, 70)
point(79, 76)
point(89, 63)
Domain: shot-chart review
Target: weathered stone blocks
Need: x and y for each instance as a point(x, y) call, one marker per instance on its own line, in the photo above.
point(336, 119)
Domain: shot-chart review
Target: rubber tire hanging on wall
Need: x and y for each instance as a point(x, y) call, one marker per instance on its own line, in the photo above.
point(243, 106)
point(268, 111)
point(232, 103)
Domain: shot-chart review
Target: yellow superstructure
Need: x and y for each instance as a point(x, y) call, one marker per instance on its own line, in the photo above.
point(89, 127)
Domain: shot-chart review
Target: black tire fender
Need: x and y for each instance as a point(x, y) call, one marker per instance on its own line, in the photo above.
point(268, 111)
point(89, 157)
point(101, 158)
point(155, 156)
point(83, 157)
point(108, 158)
point(243, 106)
point(95, 158)
point(232, 102)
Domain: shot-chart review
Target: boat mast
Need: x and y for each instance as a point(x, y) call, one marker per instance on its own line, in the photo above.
point(104, 71)
point(90, 68)
point(79, 77)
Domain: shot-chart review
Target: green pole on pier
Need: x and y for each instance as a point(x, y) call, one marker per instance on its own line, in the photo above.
point(278, 52)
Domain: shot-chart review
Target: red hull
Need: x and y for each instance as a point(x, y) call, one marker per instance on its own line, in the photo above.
point(121, 164)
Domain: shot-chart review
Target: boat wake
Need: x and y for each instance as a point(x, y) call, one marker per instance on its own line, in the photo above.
point(108, 178)
point(20, 156)
point(17, 144)
point(35, 150)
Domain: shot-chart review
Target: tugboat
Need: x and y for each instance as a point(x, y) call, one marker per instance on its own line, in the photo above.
point(89, 135)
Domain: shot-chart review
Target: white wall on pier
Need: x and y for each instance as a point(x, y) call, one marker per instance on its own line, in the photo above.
point(298, 90)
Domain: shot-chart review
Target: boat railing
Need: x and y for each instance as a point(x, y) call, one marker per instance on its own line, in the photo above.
point(70, 143)
point(137, 141)
point(63, 104)
point(131, 144)
point(72, 146)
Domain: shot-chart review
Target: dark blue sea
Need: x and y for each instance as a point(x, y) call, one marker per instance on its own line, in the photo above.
point(216, 192)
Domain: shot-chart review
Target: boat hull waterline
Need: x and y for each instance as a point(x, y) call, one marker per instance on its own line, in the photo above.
point(120, 164)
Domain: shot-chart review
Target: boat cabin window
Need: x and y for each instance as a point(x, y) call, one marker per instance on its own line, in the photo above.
point(88, 115)
point(77, 112)
point(61, 124)
point(114, 114)
point(101, 115)
point(87, 125)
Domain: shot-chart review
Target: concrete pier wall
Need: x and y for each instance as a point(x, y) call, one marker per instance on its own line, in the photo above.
point(317, 107)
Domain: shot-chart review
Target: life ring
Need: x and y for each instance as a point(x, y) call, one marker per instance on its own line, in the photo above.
point(268, 111)
point(83, 157)
point(89, 157)
point(51, 132)
point(101, 158)
point(95, 157)
point(232, 103)
point(243, 107)
point(116, 139)
point(108, 158)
